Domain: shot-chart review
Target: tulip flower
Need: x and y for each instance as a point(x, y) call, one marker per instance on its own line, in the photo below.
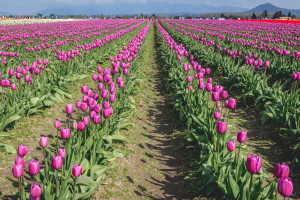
point(65, 133)
point(241, 138)
point(282, 171)
point(76, 172)
point(230, 148)
point(84, 89)
point(285, 186)
point(18, 171)
point(22, 150)
point(231, 145)
point(253, 165)
point(56, 164)
point(221, 127)
point(217, 115)
point(215, 96)
point(104, 94)
point(20, 161)
point(44, 141)
point(34, 168)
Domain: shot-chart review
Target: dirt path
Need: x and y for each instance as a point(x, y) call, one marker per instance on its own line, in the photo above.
point(154, 157)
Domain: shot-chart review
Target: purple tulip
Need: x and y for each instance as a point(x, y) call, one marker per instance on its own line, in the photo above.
point(80, 125)
point(57, 124)
point(217, 115)
point(285, 187)
point(86, 120)
point(83, 106)
point(96, 119)
point(282, 171)
point(56, 162)
point(231, 103)
point(44, 141)
point(253, 164)
point(69, 109)
point(77, 170)
point(231, 145)
point(20, 161)
point(208, 87)
point(84, 89)
point(215, 96)
point(189, 79)
point(34, 167)
point(65, 133)
point(242, 136)
point(221, 127)
point(104, 94)
point(61, 152)
point(224, 94)
point(22, 150)
point(18, 170)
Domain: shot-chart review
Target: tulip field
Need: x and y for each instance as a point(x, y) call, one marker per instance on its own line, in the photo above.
point(90, 72)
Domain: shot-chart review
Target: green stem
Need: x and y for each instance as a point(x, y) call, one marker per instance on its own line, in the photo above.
point(249, 198)
point(56, 183)
point(57, 142)
point(239, 152)
point(62, 172)
point(19, 184)
point(230, 162)
point(46, 174)
point(74, 188)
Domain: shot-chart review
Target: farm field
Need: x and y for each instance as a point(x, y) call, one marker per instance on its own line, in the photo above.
point(149, 109)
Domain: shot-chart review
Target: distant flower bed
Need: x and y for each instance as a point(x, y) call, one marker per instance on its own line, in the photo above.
point(31, 21)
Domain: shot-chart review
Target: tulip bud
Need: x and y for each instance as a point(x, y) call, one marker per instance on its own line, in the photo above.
point(34, 167)
point(84, 89)
point(282, 171)
point(253, 164)
point(65, 133)
point(35, 190)
point(78, 104)
point(18, 170)
point(221, 127)
point(77, 170)
point(189, 79)
point(241, 136)
point(44, 141)
point(56, 162)
point(20, 161)
point(224, 94)
point(104, 93)
point(83, 106)
point(61, 152)
point(57, 124)
point(231, 103)
point(231, 145)
point(96, 119)
point(22, 150)
point(80, 125)
point(86, 120)
point(208, 87)
point(285, 187)
point(215, 96)
point(69, 109)
point(217, 115)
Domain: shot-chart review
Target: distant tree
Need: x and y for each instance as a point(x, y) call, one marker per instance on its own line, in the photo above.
point(222, 15)
point(188, 17)
point(265, 14)
point(277, 15)
point(289, 15)
point(253, 16)
point(294, 16)
point(176, 17)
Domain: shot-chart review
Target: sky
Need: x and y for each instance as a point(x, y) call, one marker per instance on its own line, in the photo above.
point(33, 6)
